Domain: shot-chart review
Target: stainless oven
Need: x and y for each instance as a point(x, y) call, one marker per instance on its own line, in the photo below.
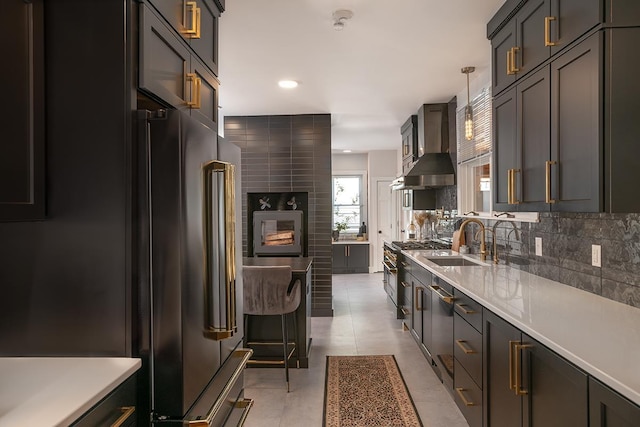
point(390, 278)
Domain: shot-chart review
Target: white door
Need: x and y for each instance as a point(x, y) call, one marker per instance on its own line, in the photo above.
point(386, 221)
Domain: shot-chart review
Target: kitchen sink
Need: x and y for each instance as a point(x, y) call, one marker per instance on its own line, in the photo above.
point(455, 262)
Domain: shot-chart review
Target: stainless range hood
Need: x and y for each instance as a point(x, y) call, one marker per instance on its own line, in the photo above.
point(434, 166)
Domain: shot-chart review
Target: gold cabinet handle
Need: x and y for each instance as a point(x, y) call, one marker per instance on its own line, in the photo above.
point(404, 264)
point(196, 89)
point(511, 365)
point(127, 411)
point(547, 165)
point(465, 348)
point(466, 402)
point(518, 370)
point(449, 299)
point(514, 198)
point(509, 72)
point(405, 311)
point(464, 310)
point(405, 284)
point(547, 30)
point(509, 189)
point(514, 53)
point(230, 327)
point(417, 297)
point(193, 31)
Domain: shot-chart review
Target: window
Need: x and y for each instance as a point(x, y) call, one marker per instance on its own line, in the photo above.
point(348, 202)
point(474, 158)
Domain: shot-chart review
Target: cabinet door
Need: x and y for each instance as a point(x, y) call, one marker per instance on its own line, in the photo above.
point(203, 94)
point(206, 44)
point(22, 161)
point(533, 112)
point(409, 138)
point(504, 148)
point(569, 19)
point(502, 407)
point(426, 320)
point(164, 61)
point(556, 391)
point(532, 50)
point(359, 258)
point(501, 49)
point(576, 132)
point(118, 408)
point(607, 408)
point(339, 257)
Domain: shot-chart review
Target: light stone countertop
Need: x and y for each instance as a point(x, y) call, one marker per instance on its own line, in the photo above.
point(599, 335)
point(350, 242)
point(56, 391)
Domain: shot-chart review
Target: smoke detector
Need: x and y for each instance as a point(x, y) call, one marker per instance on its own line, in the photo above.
point(340, 17)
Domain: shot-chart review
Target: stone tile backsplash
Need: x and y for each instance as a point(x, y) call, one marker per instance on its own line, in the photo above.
point(566, 251)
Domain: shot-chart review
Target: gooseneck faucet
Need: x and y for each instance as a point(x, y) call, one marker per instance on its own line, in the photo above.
point(483, 248)
point(495, 245)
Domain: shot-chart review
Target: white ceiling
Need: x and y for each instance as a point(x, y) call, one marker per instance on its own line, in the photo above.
point(391, 57)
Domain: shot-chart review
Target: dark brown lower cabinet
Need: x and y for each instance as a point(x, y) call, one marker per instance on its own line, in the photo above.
point(607, 408)
point(526, 384)
point(118, 408)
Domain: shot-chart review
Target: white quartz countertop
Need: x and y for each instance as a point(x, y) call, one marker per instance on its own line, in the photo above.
point(351, 242)
point(55, 391)
point(599, 335)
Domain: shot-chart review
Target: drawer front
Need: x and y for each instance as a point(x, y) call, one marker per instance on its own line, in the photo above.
point(119, 405)
point(468, 396)
point(469, 310)
point(467, 348)
point(422, 274)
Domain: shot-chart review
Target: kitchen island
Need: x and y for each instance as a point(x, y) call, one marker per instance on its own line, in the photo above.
point(268, 328)
point(57, 391)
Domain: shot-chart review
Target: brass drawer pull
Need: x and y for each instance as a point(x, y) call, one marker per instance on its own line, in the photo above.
point(449, 299)
point(511, 367)
point(405, 284)
point(462, 306)
point(517, 385)
point(127, 411)
point(547, 28)
point(466, 402)
point(196, 88)
point(547, 165)
point(193, 32)
point(418, 299)
point(514, 52)
point(466, 349)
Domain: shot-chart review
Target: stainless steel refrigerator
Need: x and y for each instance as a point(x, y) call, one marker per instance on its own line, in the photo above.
point(190, 276)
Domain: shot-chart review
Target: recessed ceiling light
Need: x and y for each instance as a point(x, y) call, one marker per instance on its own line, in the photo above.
point(346, 151)
point(288, 84)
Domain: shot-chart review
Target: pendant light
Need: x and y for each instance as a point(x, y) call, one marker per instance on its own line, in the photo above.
point(468, 111)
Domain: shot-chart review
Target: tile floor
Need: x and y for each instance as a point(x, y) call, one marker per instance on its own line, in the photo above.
point(364, 323)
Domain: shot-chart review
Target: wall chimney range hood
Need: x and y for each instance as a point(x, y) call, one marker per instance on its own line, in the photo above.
point(434, 166)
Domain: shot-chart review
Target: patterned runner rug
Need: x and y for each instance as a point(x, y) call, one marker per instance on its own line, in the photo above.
point(367, 391)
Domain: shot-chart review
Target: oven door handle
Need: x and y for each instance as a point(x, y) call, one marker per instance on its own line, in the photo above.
point(390, 267)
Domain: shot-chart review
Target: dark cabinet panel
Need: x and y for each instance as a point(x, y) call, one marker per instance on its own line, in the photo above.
point(504, 149)
point(196, 21)
point(22, 161)
point(350, 258)
point(621, 105)
point(531, 49)
point(502, 407)
point(118, 408)
point(204, 94)
point(555, 391)
point(417, 290)
point(570, 19)
point(164, 61)
point(467, 348)
point(533, 140)
point(468, 396)
point(609, 409)
point(409, 133)
point(576, 129)
point(501, 50)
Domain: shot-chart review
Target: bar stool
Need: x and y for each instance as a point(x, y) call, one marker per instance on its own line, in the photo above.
point(270, 290)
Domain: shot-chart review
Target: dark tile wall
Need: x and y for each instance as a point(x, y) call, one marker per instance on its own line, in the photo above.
point(291, 154)
point(566, 249)
point(447, 197)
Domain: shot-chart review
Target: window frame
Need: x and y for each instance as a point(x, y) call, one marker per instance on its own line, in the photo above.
point(362, 205)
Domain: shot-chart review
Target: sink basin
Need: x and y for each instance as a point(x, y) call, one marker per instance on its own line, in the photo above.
point(455, 262)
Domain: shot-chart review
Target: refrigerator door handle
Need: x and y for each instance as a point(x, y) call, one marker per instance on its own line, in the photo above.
point(230, 326)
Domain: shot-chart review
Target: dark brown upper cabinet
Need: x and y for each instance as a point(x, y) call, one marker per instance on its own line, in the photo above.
point(169, 71)
point(22, 150)
point(536, 32)
point(197, 23)
point(409, 133)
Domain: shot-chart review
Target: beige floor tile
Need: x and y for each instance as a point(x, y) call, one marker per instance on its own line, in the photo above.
point(364, 323)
